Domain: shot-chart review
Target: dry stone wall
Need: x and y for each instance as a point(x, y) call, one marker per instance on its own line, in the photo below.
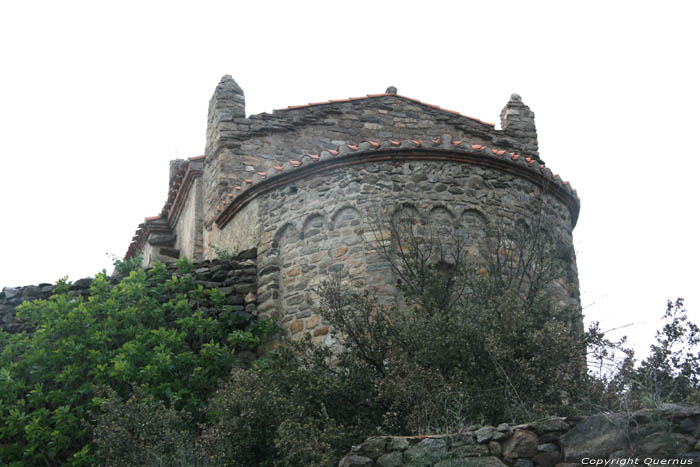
point(12, 297)
point(235, 277)
point(669, 435)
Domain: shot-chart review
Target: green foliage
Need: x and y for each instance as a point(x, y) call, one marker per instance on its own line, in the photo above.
point(124, 266)
point(142, 331)
point(139, 373)
point(251, 338)
point(184, 265)
point(295, 407)
point(670, 372)
point(143, 431)
point(476, 337)
point(223, 253)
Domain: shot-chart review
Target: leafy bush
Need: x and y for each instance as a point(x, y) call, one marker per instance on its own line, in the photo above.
point(259, 414)
point(223, 253)
point(145, 331)
point(124, 266)
point(144, 431)
point(137, 374)
point(670, 372)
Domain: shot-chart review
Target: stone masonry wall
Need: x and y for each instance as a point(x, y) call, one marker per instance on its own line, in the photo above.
point(236, 278)
point(669, 435)
point(237, 146)
point(188, 228)
point(325, 224)
point(303, 184)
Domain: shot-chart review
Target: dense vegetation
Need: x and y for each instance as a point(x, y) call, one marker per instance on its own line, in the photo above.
point(134, 374)
point(139, 337)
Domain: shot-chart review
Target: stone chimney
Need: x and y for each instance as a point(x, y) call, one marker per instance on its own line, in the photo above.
point(226, 106)
point(518, 121)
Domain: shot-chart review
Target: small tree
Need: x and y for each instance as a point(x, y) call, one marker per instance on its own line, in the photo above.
point(483, 332)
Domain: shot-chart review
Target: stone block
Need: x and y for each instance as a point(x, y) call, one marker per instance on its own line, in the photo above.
point(522, 443)
point(296, 326)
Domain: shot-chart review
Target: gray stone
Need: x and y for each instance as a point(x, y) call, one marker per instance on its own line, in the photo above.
point(504, 428)
point(595, 437)
point(374, 447)
point(547, 459)
point(31, 292)
point(523, 463)
point(397, 443)
point(490, 461)
point(355, 461)
point(484, 434)
point(427, 451)
point(470, 450)
point(392, 459)
point(162, 239)
point(522, 443)
point(251, 253)
point(11, 293)
point(551, 424)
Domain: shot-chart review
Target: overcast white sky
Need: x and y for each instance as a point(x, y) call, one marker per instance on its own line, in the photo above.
point(97, 97)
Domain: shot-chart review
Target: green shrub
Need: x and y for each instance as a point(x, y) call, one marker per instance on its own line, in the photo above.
point(142, 331)
point(124, 266)
point(144, 431)
point(223, 253)
point(258, 415)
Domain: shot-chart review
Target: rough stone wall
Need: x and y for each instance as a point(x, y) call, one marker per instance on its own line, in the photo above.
point(244, 231)
point(12, 297)
point(669, 435)
point(328, 224)
point(301, 184)
point(237, 146)
point(236, 278)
